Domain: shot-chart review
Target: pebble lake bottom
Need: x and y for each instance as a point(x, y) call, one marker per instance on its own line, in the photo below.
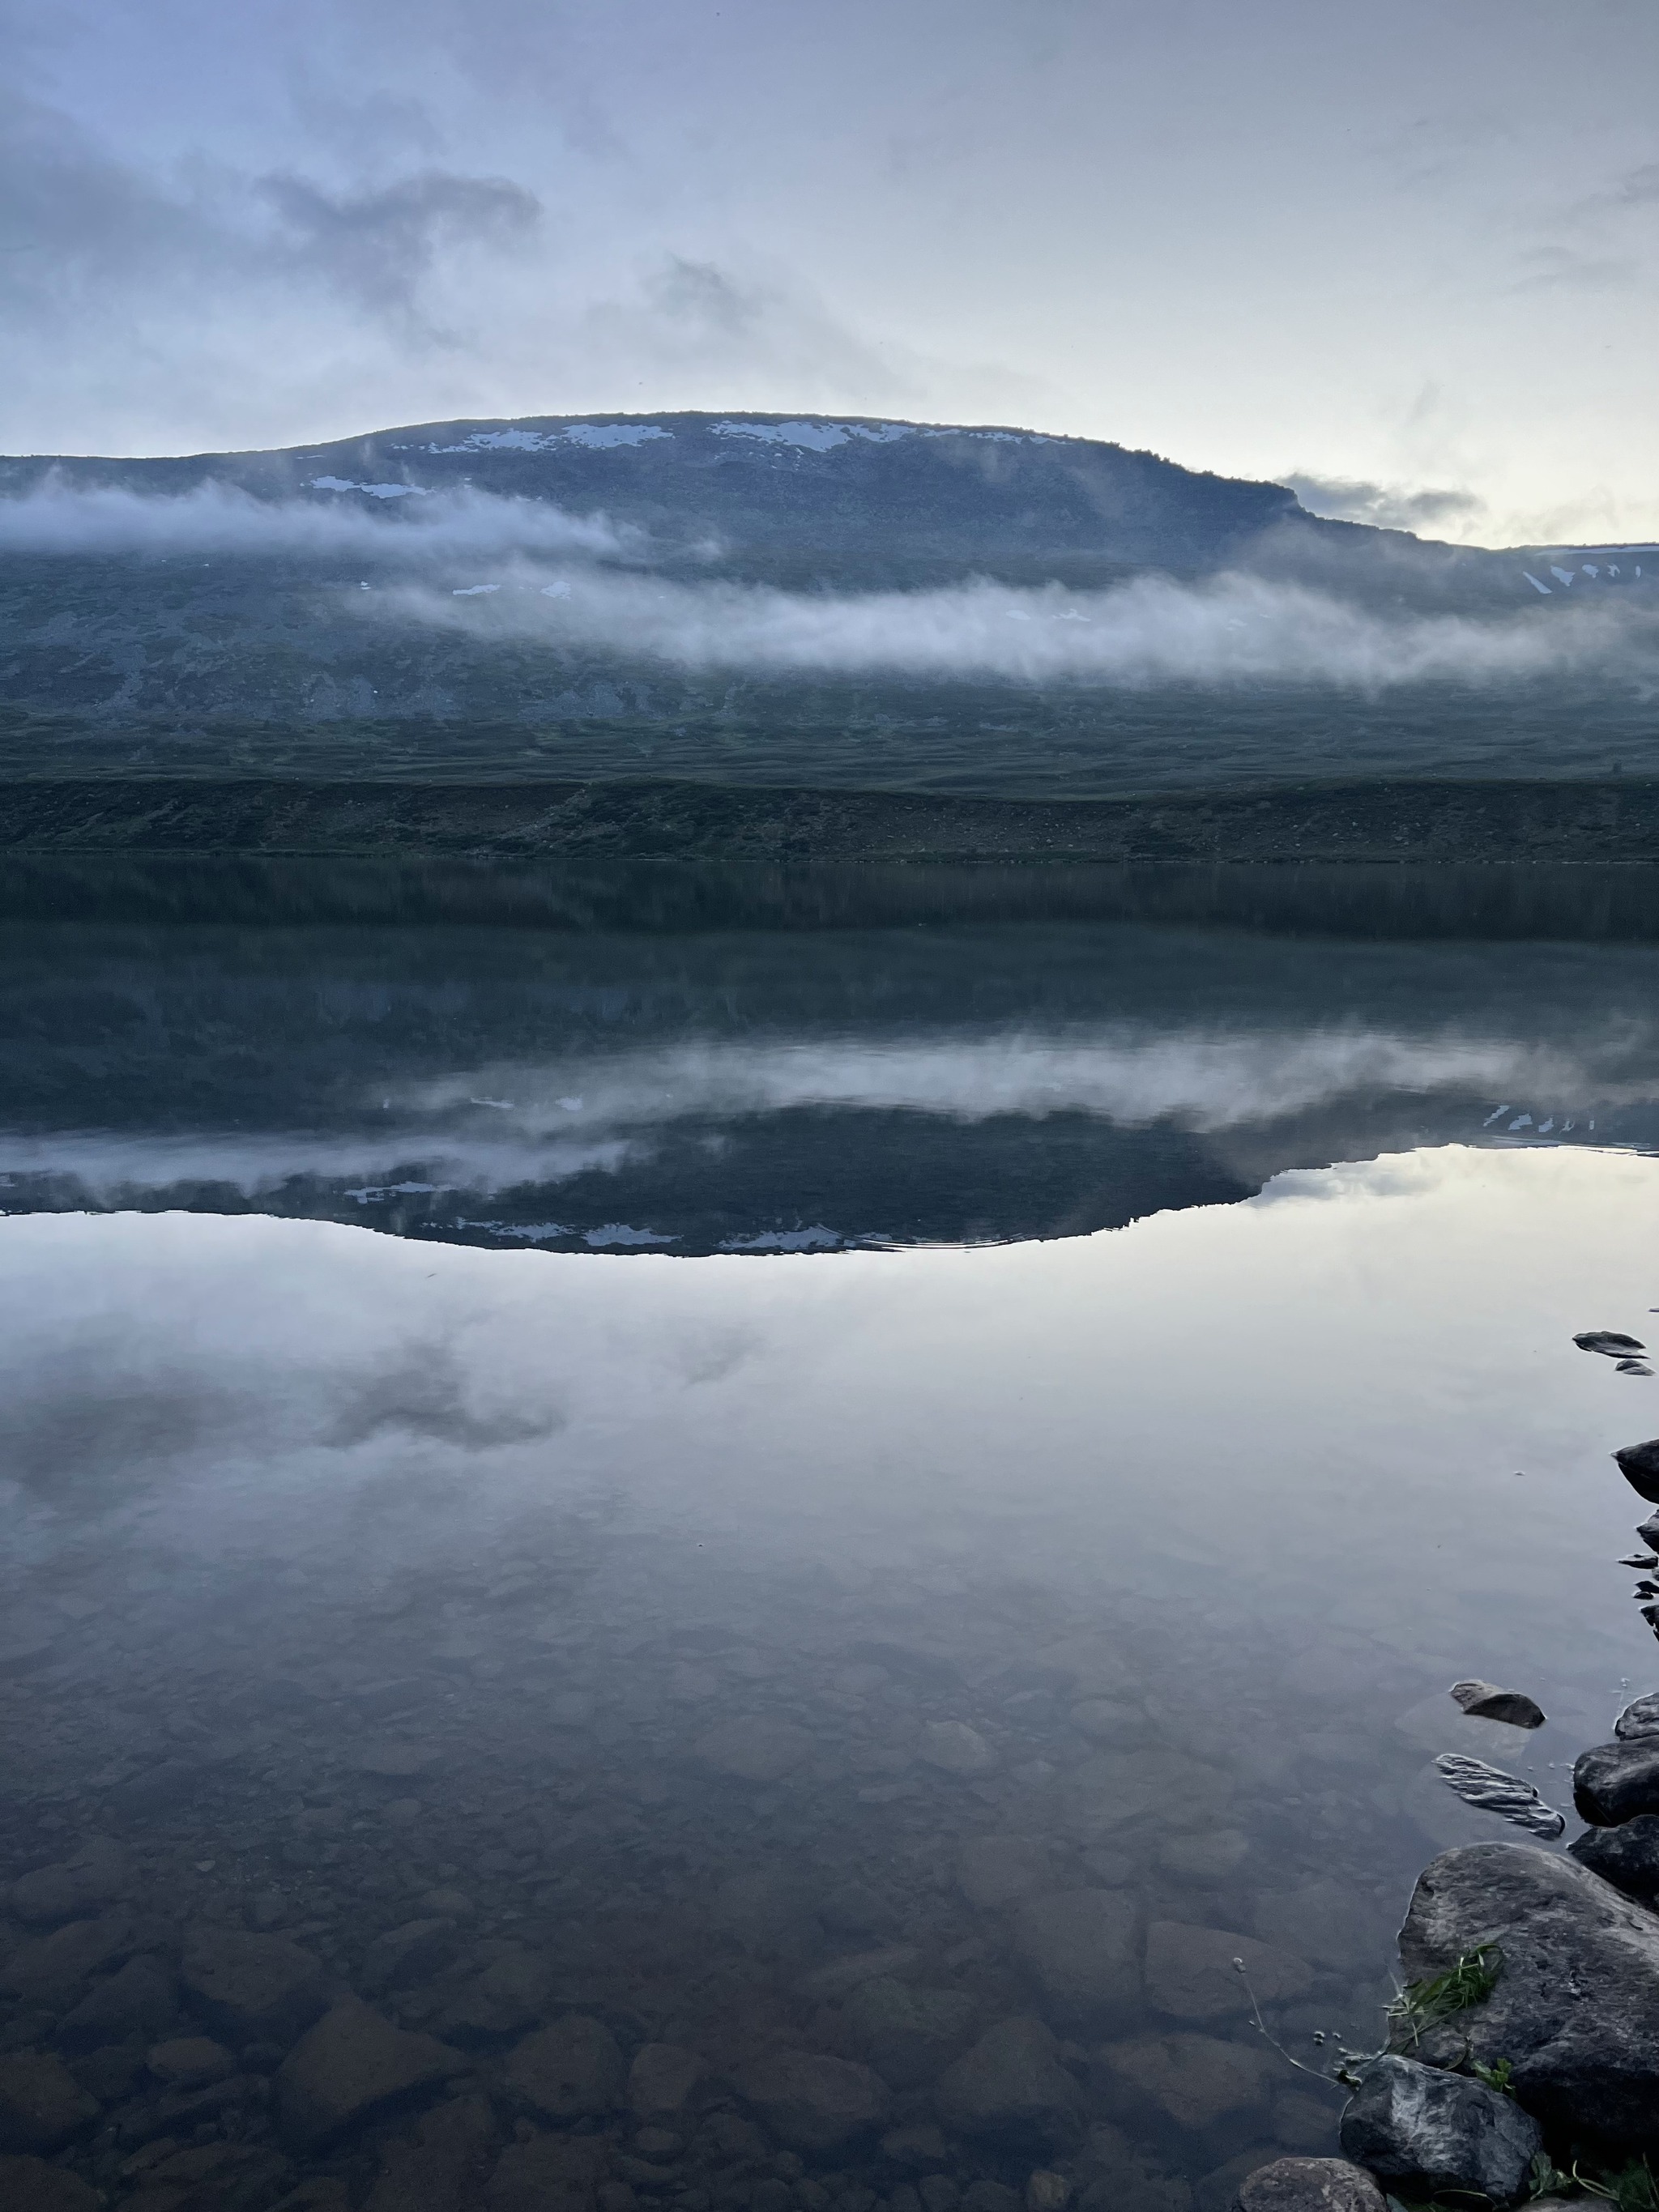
point(732, 1734)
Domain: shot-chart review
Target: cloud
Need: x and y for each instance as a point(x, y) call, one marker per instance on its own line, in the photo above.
point(378, 245)
point(219, 520)
point(1233, 629)
point(1388, 506)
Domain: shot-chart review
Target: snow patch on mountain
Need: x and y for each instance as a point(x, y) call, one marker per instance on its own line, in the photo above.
point(591, 435)
point(374, 491)
point(814, 437)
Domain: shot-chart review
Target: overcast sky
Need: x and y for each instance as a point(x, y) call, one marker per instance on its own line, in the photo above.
point(1409, 252)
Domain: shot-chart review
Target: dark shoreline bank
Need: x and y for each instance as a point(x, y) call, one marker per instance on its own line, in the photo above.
point(1612, 821)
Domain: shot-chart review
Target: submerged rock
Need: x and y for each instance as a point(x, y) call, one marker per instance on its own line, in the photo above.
point(1649, 1532)
point(812, 2102)
point(1494, 1791)
point(1484, 1701)
point(29, 2184)
point(254, 1989)
point(995, 1870)
point(1576, 2006)
point(1627, 1855)
point(956, 1748)
point(1614, 1781)
point(42, 2105)
point(1012, 2088)
point(1195, 2081)
point(1427, 2133)
point(354, 2062)
point(1309, 2184)
point(755, 1748)
point(1192, 1973)
point(1611, 1343)
point(1640, 1465)
point(1080, 1945)
point(573, 2070)
point(664, 2081)
point(909, 2034)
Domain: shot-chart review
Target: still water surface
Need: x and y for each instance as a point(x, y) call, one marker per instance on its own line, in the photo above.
point(701, 1660)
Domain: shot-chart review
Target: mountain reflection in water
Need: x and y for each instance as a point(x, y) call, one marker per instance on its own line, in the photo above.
point(703, 1059)
point(845, 1655)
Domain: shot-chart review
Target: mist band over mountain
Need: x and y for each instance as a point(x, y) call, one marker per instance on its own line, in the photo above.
point(768, 598)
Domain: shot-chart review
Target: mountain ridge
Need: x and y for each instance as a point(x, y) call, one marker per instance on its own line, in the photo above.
point(760, 598)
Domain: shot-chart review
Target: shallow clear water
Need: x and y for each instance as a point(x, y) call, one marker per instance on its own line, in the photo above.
point(829, 1651)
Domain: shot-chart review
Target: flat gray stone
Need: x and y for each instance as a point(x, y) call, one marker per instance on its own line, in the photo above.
point(1083, 1946)
point(503, 1997)
point(351, 2064)
point(253, 1988)
point(29, 2184)
point(756, 1749)
point(138, 2001)
point(909, 2035)
point(54, 1970)
point(573, 2070)
point(1575, 2007)
point(955, 1748)
point(1012, 2088)
point(42, 2105)
point(664, 2081)
point(999, 1870)
point(1195, 2081)
point(408, 1954)
point(1428, 2134)
point(811, 2102)
point(189, 2062)
point(1191, 1974)
point(87, 1880)
point(547, 2173)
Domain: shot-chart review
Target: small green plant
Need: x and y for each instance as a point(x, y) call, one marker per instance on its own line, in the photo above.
point(1497, 2076)
point(1424, 2004)
point(1548, 2179)
point(1632, 2189)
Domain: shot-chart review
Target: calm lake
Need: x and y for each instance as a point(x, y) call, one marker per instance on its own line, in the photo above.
point(778, 1517)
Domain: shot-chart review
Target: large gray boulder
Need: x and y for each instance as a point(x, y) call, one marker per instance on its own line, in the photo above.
point(1427, 2133)
point(1617, 1782)
point(1627, 1857)
point(1576, 2008)
point(1309, 2184)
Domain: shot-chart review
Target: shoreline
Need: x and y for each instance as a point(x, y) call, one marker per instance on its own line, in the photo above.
point(1612, 821)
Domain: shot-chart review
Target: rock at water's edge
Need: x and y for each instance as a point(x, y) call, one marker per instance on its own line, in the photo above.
point(1576, 2007)
point(1627, 1857)
point(1640, 1465)
point(1616, 1781)
point(1309, 2184)
point(1427, 2133)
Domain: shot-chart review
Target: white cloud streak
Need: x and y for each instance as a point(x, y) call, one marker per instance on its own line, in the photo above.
point(218, 518)
point(1234, 628)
